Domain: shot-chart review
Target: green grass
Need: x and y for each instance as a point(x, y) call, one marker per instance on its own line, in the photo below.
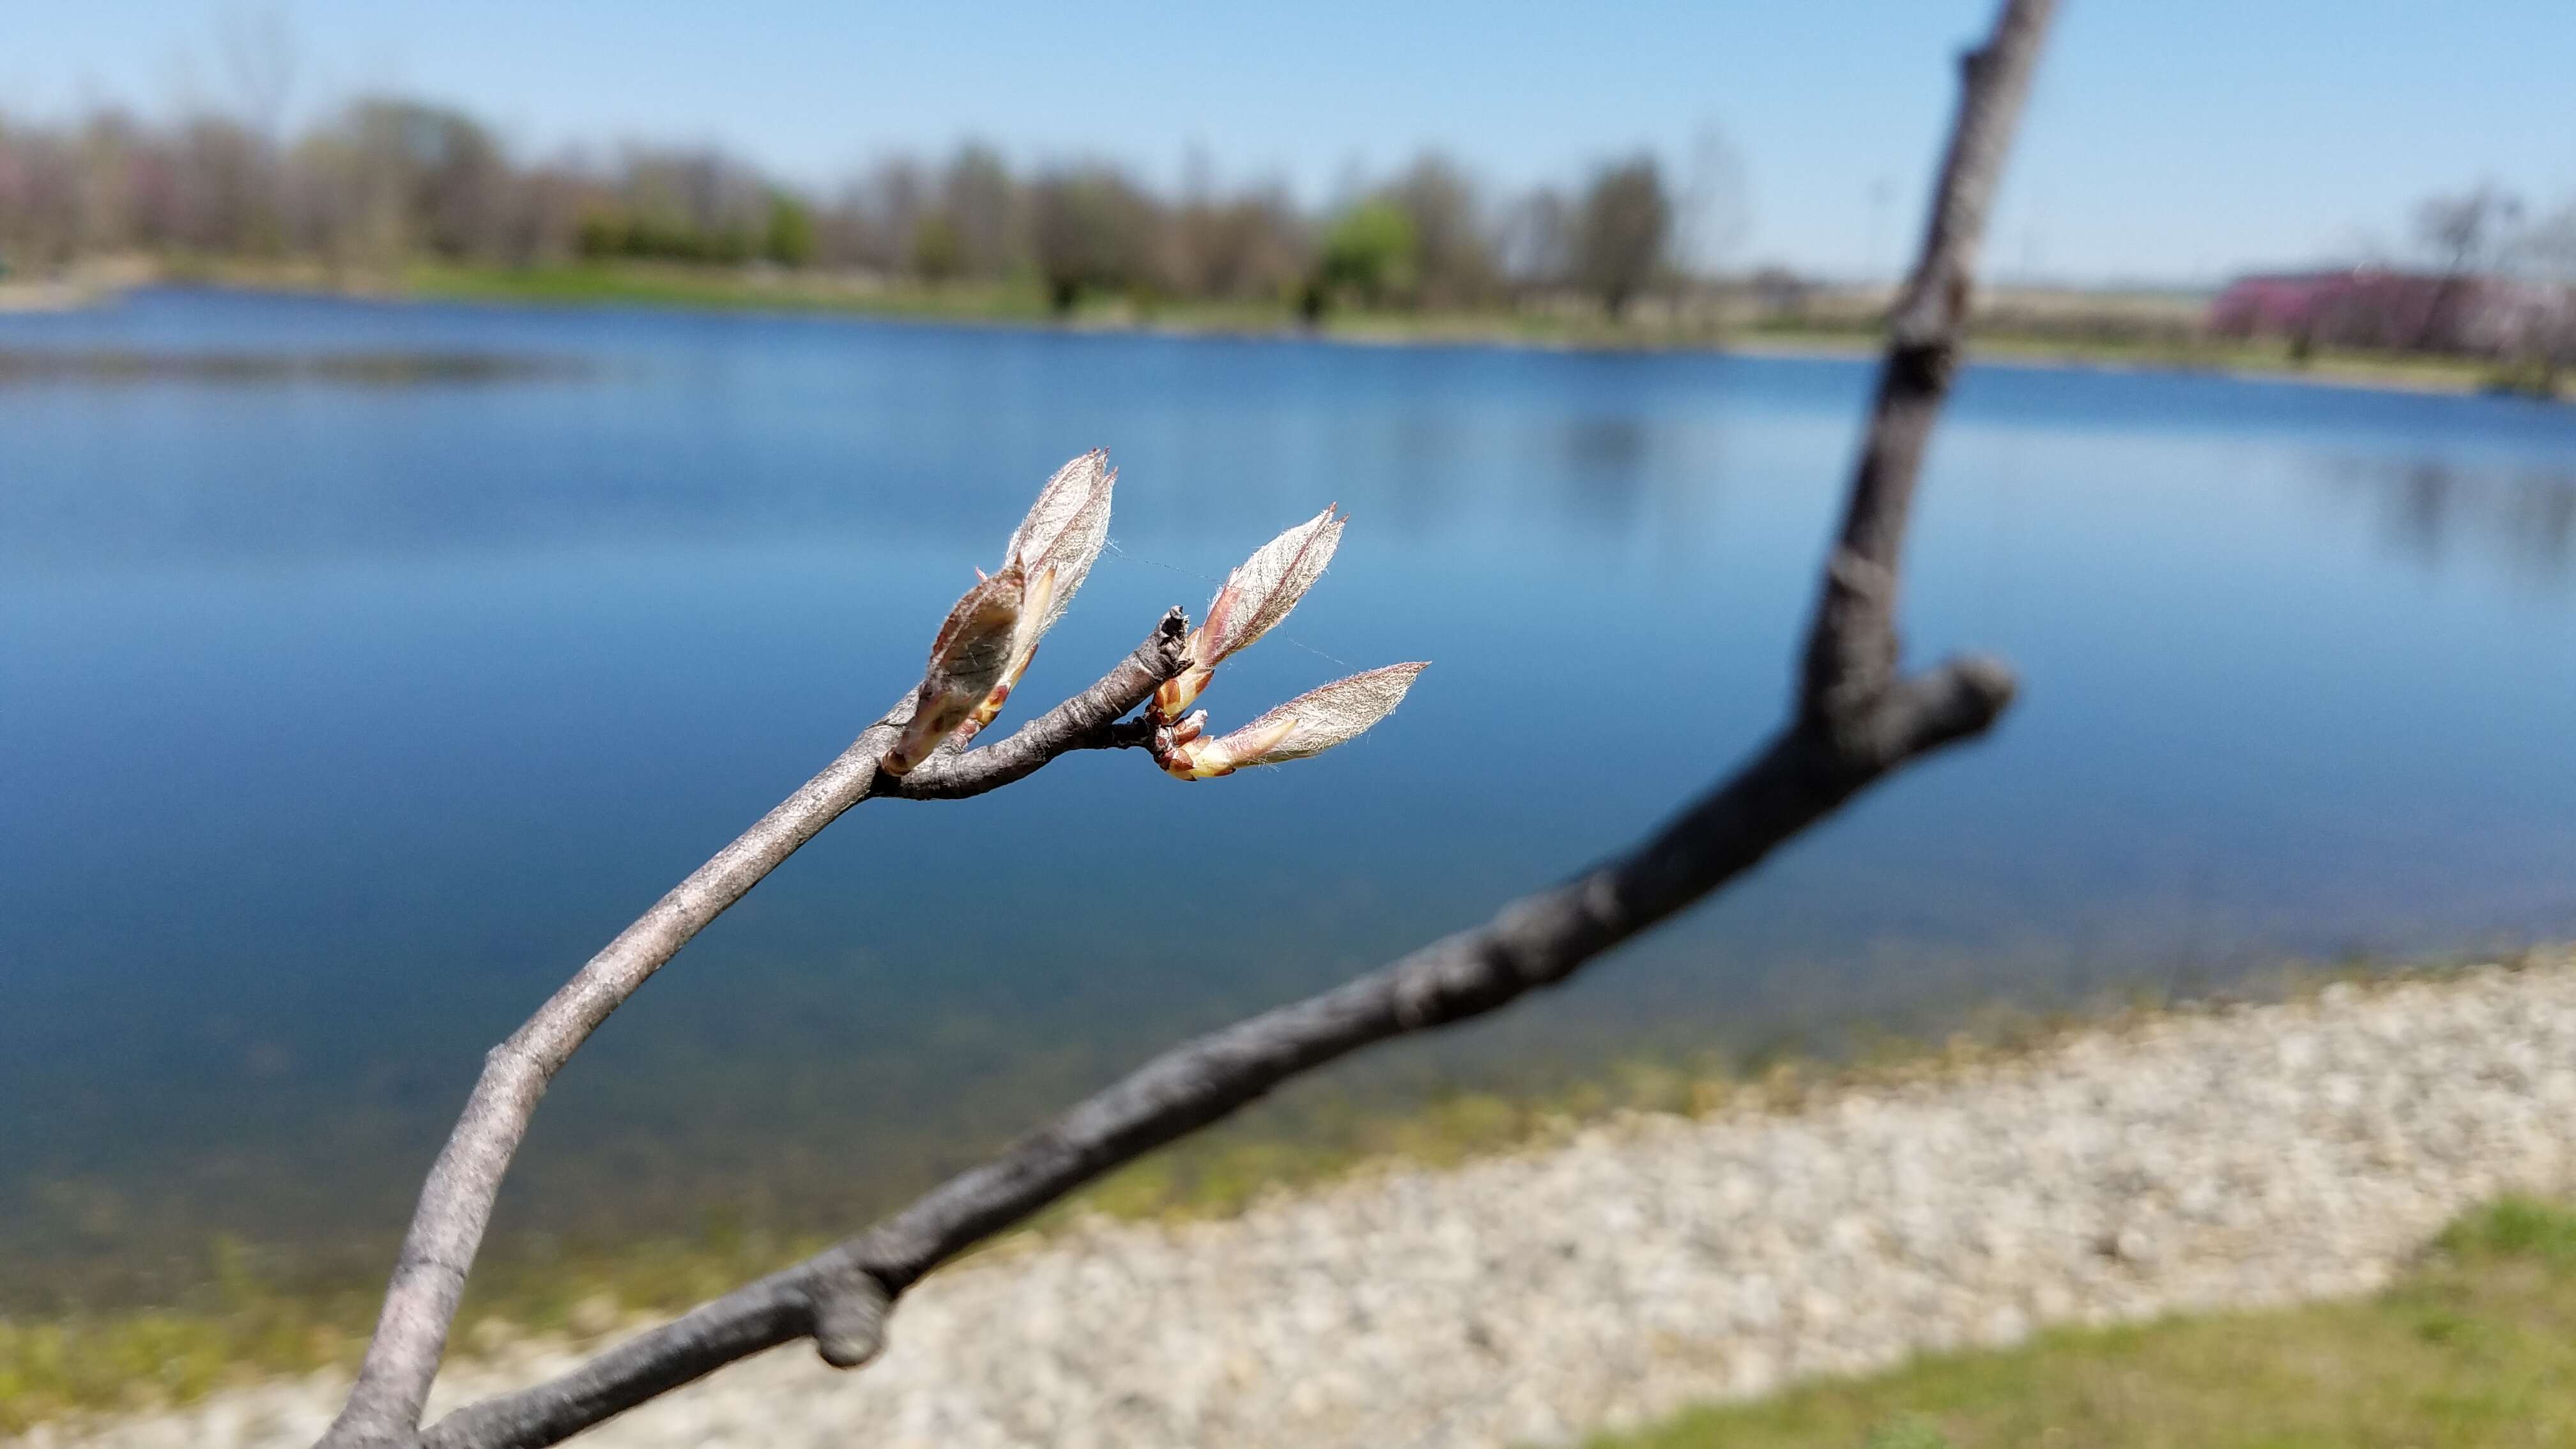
point(1019, 302)
point(667, 285)
point(1022, 302)
point(243, 1326)
point(2104, 337)
point(2474, 1349)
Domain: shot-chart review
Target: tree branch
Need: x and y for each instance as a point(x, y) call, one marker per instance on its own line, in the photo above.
point(456, 1202)
point(1088, 721)
point(1855, 721)
point(1852, 653)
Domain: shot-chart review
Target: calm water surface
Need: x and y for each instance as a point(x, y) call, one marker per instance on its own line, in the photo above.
point(363, 668)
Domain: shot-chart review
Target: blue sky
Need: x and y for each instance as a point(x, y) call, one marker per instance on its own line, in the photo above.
point(2169, 139)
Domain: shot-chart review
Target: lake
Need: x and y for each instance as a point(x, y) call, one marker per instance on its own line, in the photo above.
point(363, 667)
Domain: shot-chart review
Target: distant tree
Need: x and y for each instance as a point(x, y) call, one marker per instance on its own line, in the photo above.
point(1535, 242)
point(1246, 247)
point(982, 205)
point(874, 219)
point(2465, 232)
point(1090, 229)
point(1453, 257)
point(545, 214)
point(692, 206)
point(938, 252)
point(1713, 214)
point(2464, 235)
point(1623, 236)
point(1370, 251)
point(2546, 251)
point(225, 198)
point(449, 174)
point(791, 231)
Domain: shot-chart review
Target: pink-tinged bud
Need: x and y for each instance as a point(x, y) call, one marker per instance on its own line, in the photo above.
point(1310, 724)
point(1182, 690)
point(1254, 599)
point(1065, 530)
point(971, 656)
point(1197, 760)
point(1259, 594)
point(1024, 645)
point(1053, 549)
point(1319, 719)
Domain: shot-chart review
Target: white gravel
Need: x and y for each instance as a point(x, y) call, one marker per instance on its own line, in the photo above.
point(2247, 1156)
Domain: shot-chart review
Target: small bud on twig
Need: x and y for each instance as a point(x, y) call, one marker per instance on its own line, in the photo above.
point(1055, 547)
point(990, 636)
point(970, 656)
point(1066, 529)
point(1254, 599)
point(1310, 724)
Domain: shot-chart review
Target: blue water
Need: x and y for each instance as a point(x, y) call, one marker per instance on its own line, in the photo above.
point(343, 712)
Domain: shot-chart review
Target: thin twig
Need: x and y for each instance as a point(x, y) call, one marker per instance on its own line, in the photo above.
point(1856, 719)
point(456, 1203)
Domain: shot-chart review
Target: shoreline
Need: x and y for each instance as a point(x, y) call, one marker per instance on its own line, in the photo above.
point(2207, 1158)
point(679, 290)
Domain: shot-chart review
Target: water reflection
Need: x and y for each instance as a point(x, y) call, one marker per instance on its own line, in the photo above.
point(1605, 470)
point(2438, 512)
point(104, 367)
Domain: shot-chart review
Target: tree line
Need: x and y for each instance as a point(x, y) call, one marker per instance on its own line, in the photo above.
point(385, 182)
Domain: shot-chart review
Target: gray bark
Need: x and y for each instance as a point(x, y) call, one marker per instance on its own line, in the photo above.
point(1855, 719)
point(456, 1203)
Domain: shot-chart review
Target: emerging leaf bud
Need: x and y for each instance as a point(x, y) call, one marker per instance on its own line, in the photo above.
point(967, 661)
point(1054, 548)
point(1310, 724)
point(1254, 599)
point(1065, 530)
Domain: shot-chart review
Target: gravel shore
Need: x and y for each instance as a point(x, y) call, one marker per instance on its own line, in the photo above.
point(2243, 1156)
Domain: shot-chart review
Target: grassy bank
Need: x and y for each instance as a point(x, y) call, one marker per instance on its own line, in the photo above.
point(2013, 336)
point(2471, 1349)
point(244, 1324)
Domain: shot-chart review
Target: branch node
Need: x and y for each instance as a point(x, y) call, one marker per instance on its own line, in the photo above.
point(850, 1312)
point(1962, 698)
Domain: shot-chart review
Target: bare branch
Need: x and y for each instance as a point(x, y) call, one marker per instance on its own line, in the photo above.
point(1852, 654)
point(456, 1203)
point(1855, 721)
